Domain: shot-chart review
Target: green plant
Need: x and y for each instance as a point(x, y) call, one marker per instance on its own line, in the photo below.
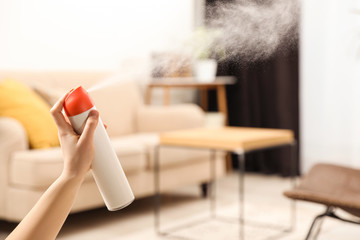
point(205, 44)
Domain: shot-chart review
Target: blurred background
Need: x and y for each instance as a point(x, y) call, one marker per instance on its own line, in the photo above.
point(296, 63)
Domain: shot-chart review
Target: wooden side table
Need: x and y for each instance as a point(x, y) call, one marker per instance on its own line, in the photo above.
point(238, 140)
point(218, 84)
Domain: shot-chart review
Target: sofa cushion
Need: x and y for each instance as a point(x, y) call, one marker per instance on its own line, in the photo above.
point(40, 167)
point(131, 154)
point(169, 156)
point(35, 168)
point(173, 156)
point(117, 105)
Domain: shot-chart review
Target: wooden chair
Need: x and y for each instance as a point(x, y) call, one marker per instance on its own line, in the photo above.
point(333, 186)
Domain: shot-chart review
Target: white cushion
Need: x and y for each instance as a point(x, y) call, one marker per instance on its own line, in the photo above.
point(36, 168)
point(131, 155)
point(118, 105)
point(169, 156)
point(39, 168)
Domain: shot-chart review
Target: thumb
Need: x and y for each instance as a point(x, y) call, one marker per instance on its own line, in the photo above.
point(91, 122)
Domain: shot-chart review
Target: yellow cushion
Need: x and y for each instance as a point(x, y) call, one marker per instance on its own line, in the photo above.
point(21, 103)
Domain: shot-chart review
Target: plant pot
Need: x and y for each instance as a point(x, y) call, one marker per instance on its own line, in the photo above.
point(205, 70)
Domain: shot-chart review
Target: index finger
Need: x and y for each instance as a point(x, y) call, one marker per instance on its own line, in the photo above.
point(57, 114)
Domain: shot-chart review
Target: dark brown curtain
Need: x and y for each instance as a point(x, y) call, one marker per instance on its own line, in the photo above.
point(266, 95)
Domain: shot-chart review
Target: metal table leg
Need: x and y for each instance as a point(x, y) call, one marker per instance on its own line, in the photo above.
point(293, 161)
point(241, 161)
point(157, 189)
point(212, 183)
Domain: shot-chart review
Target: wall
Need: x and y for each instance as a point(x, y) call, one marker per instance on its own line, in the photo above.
point(88, 34)
point(330, 83)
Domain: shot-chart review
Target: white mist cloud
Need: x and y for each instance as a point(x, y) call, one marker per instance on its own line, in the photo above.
point(253, 30)
point(246, 30)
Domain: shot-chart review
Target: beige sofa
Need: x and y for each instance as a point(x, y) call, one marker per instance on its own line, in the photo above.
point(25, 174)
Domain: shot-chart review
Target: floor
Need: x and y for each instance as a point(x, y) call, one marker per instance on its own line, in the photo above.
point(264, 203)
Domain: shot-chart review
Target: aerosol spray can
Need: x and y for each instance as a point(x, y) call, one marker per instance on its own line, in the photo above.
point(106, 168)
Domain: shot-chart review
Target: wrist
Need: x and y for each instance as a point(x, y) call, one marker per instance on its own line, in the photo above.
point(74, 169)
point(71, 177)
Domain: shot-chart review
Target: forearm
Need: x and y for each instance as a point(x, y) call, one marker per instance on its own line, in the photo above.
point(46, 218)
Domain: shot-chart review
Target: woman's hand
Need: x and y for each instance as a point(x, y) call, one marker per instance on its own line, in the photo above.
point(78, 150)
point(46, 218)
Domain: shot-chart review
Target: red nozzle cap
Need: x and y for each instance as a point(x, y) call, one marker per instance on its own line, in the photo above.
point(77, 101)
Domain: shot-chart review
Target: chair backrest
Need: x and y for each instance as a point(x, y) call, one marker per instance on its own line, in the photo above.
point(332, 179)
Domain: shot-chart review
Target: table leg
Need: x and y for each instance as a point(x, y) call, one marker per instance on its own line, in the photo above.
point(222, 104)
point(212, 183)
point(222, 107)
point(157, 189)
point(166, 96)
point(148, 95)
point(241, 161)
point(204, 99)
point(293, 162)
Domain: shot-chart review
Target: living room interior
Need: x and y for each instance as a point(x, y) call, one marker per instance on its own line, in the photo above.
point(232, 119)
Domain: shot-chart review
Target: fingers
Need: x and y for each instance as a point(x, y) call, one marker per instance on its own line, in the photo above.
point(58, 116)
point(89, 129)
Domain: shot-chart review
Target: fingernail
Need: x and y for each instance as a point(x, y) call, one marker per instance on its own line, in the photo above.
point(94, 114)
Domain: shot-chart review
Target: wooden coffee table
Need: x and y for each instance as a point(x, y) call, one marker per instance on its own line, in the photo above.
point(237, 140)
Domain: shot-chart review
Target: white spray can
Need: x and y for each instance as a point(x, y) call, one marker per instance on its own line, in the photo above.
point(106, 168)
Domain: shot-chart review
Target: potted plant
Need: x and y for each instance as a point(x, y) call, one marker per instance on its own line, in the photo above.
point(206, 51)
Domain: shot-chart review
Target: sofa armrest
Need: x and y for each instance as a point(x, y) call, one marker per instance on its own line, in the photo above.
point(12, 135)
point(12, 138)
point(167, 118)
